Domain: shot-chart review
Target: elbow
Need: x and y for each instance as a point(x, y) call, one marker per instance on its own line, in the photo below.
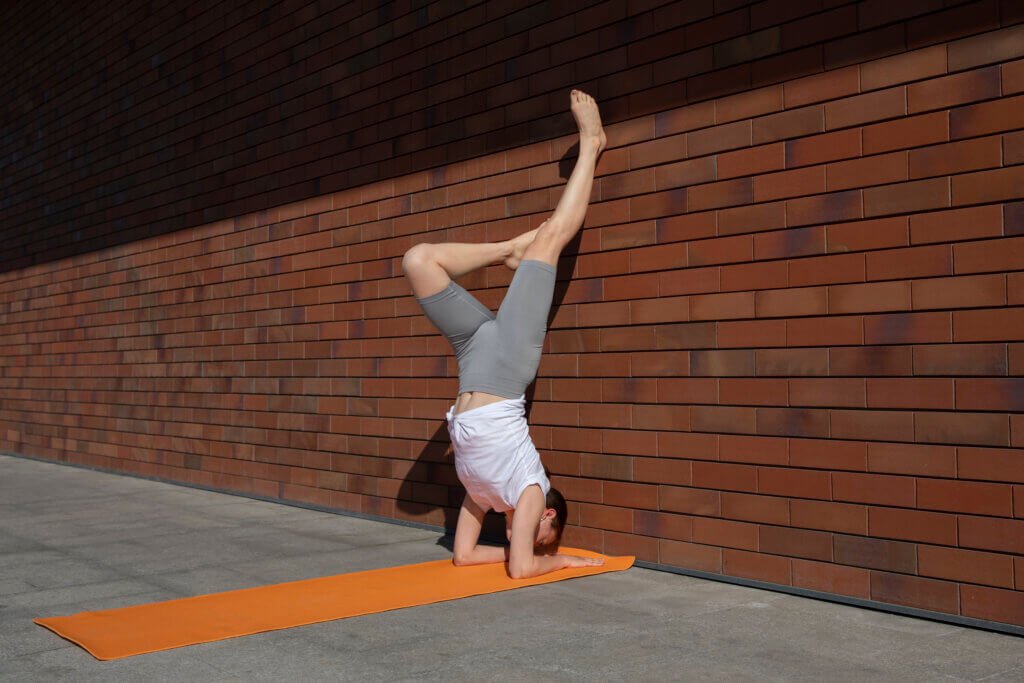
point(519, 571)
point(459, 560)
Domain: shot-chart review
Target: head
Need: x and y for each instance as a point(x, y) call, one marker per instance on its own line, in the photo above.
point(552, 523)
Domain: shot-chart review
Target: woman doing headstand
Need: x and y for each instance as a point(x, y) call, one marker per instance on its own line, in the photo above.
point(498, 356)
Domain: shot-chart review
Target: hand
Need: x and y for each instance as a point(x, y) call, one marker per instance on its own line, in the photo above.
point(572, 561)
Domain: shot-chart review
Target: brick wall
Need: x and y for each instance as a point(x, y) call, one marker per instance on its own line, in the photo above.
point(786, 347)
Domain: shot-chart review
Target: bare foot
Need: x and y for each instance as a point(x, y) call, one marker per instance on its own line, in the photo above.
point(518, 246)
point(588, 118)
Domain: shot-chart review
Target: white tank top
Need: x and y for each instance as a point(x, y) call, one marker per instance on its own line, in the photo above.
point(494, 455)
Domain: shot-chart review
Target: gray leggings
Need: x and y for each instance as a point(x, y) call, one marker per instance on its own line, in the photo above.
point(497, 354)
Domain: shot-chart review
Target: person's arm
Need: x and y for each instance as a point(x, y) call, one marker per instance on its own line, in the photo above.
point(523, 563)
point(467, 534)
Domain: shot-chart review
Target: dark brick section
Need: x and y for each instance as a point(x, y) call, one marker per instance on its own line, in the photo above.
point(787, 346)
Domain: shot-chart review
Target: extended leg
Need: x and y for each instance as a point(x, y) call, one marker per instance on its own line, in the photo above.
point(568, 217)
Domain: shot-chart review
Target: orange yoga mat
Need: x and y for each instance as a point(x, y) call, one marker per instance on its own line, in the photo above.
point(127, 631)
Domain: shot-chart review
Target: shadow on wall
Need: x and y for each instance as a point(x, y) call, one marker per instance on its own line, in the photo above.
point(85, 202)
point(434, 468)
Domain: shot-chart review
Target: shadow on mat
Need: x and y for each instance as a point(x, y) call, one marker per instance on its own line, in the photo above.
point(431, 483)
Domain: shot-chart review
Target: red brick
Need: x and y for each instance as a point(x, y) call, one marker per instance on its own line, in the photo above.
point(905, 392)
point(744, 276)
point(969, 566)
point(842, 517)
point(829, 85)
point(912, 262)
point(793, 123)
point(795, 542)
point(987, 48)
point(956, 157)
point(662, 310)
point(661, 257)
point(724, 193)
point(904, 133)
point(918, 459)
point(627, 184)
point(1005, 254)
point(815, 149)
point(751, 218)
point(748, 333)
point(792, 362)
point(683, 119)
point(752, 508)
point(751, 161)
point(686, 390)
point(719, 138)
point(907, 328)
point(791, 302)
point(906, 197)
point(830, 453)
point(903, 68)
point(693, 501)
point(956, 224)
point(686, 227)
point(722, 250)
point(749, 103)
point(658, 204)
point(994, 464)
point(987, 533)
point(605, 517)
point(912, 591)
point(631, 287)
point(939, 93)
point(873, 425)
point(875, 489)
point(1013, 148)
point(826, 208)
point(695, 556)
point(873, 170)
point(723, 419)
point(792, 183)
point(659, 151)
point(960, 359)
point(789, 243)
point(959, 292)
point(858, 298)
point(981, 429)
point(684, 173)
point(783, 481)
point(828, 392)
point(827, 269)
point(873, 106)
point(988, 186)
point(1004, 394)
point(752, 392)
point(988, 117)
point(624, 494)
point(953, 22)
point(830, 331)
point(1005, 324)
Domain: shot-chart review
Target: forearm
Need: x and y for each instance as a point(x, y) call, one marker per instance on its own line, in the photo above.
point(481, 554)
point(537, 565)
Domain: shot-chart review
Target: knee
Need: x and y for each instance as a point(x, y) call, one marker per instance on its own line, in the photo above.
point(417, 257)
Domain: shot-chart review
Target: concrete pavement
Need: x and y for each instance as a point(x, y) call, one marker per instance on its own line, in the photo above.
point(73, 539)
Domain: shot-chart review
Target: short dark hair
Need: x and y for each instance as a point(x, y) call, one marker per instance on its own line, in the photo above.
point(556, 501)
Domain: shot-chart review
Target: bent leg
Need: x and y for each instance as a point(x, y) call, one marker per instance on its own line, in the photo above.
point(430, 267)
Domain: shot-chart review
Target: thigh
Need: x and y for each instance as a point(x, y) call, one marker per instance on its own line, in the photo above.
point(522, 319)
point(456, 313)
